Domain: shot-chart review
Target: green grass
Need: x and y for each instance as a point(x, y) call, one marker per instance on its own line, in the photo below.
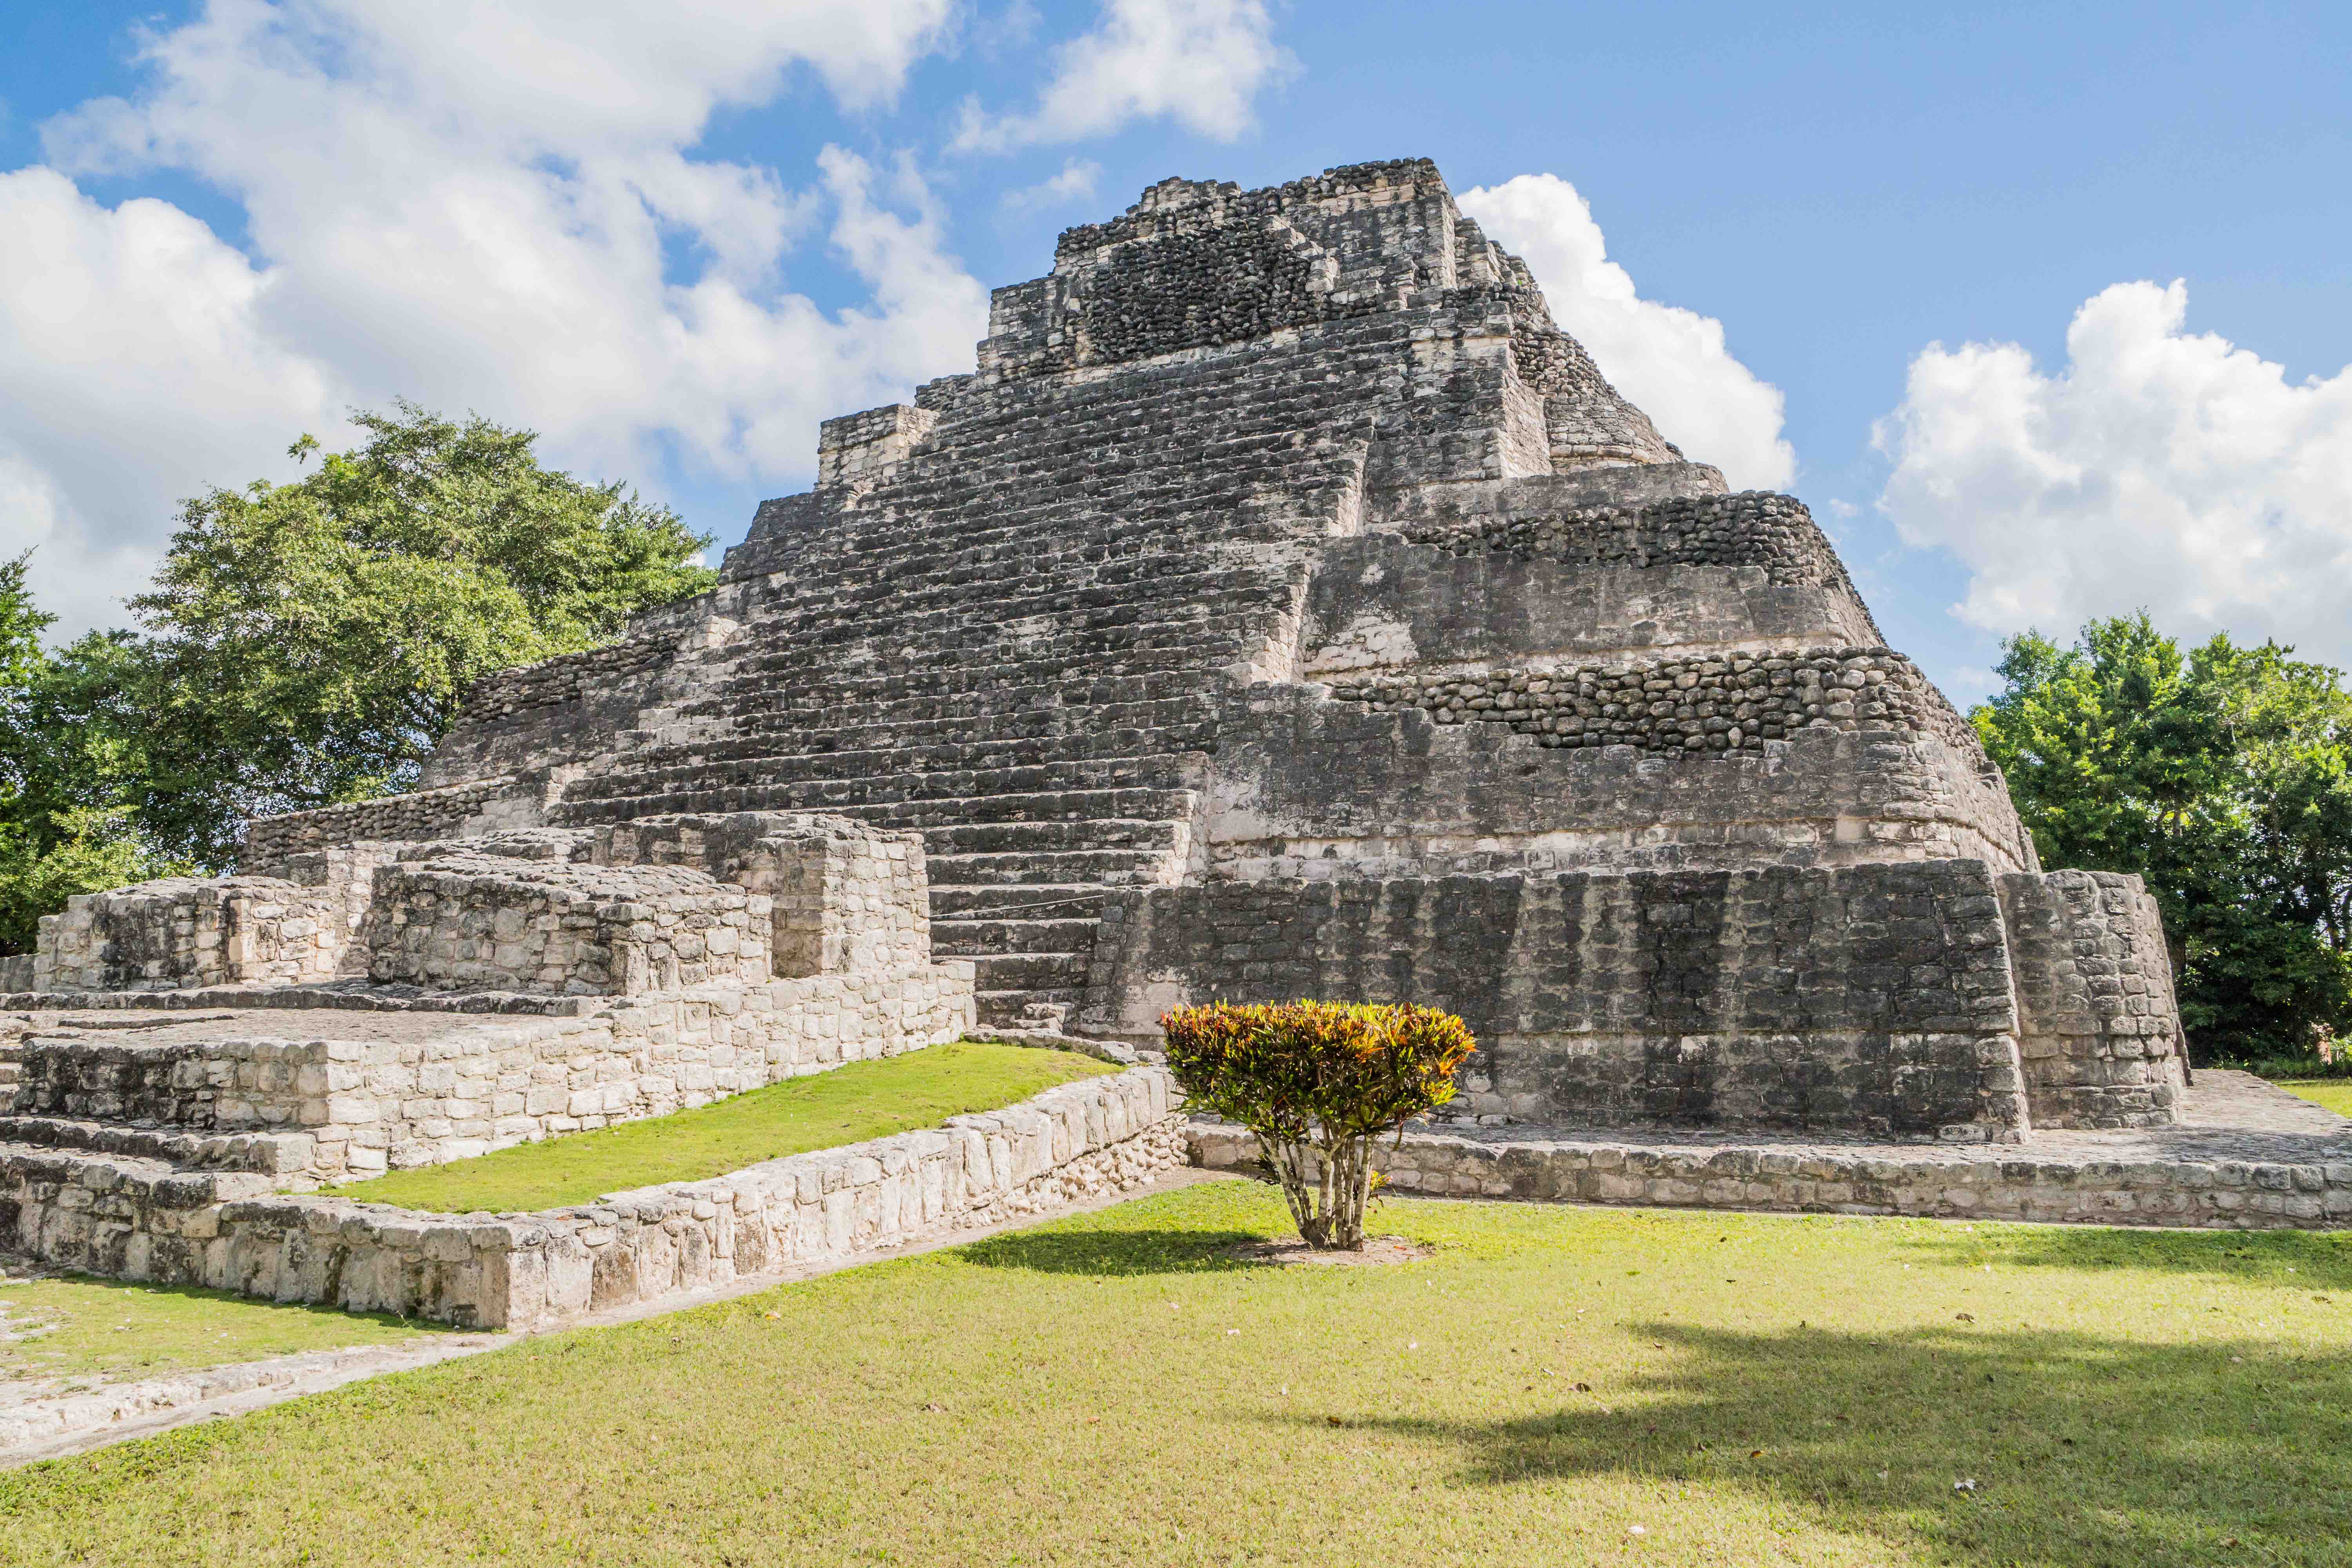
point(2335, 1093)
point(1114, 1390)
point(108, 1330)
point(847, 1105)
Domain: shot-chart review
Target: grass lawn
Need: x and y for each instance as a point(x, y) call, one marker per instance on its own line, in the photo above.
point(108, 1330)
point(847, 1105)
point(1112, 1389)
point(2335, 1093)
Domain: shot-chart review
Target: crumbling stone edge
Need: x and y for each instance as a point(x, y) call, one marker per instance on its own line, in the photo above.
point(526, 1270)
point(1932, 1183)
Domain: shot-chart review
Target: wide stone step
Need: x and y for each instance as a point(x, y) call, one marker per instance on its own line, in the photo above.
point(1121, 758)
point(1055, 868)
point(623, 799)
point(803, 731)
point(991, 938)
point(1010, 1008)
point(1017, 901)
point(1028, 971)
point(1087, 805)
point(255, 1150)
point(1024, 837)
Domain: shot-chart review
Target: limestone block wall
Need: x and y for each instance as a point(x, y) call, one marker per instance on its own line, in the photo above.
point(482, 805)
point(387, 1098)
point(181, 931)
point(1871, 999)
point(1418, 796)
point(846, 897)
point(2099, 1027)
point(1383, 606)
point(463, 920)
point(129, 1219)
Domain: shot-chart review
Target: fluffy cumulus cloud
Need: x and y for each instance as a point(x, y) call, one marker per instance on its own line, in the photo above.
point(1671, 363)
point(1200, 63)
point(478, 207)
point(2160, 471)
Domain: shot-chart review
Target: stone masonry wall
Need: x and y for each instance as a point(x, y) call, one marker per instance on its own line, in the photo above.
point(481, 805)
point(847, 896)
point(1694, 703)
point(184, 930)
point(1869, 998)
point(366, 1099)
point(467, 920)
point(131, 1220)
point(2099, 1027)
point(1943, 1183)
point(1417, 796)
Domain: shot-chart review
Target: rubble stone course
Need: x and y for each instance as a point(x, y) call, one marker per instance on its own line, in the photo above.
point(139, 1219)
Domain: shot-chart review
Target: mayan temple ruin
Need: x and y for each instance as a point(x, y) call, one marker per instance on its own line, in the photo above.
point(1284, 606)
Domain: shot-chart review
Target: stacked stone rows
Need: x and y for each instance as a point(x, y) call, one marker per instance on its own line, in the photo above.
point(469, 919)
point(1703, 703)
point(565, 680)
point(1753, 528)
point(271, 841)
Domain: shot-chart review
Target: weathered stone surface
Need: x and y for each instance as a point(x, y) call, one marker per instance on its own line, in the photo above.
point(140, 1219)
point(1279, 539)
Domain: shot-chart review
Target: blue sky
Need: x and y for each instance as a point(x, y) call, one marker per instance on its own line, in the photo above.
point(1839, 186)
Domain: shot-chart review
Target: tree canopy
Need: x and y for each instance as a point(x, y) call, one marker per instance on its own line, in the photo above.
point(304, 644)
point(2223, 774)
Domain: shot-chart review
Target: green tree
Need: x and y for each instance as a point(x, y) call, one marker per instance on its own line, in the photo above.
point(310, 642)
point(69, 772)
point(2224, 776)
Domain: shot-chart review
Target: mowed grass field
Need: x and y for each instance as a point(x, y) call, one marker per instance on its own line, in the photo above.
point(1553, 1386)
point(2335, 1093)
point(76, 1327)
point(824, 1111)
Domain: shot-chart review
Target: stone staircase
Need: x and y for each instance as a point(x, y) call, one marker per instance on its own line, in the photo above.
point(1027, 659)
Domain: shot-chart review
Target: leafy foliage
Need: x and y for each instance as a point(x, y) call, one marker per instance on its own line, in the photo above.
point(2224, 776)
point(68, 768)
point(1317, 1081)
point(304, 644)
point(312, 641)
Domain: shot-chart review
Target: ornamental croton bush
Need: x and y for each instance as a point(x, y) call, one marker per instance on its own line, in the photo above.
point(1317, 1082)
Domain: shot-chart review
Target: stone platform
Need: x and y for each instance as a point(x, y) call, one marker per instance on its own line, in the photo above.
point(2245, 1155)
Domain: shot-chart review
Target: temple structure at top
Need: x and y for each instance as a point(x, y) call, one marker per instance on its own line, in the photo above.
point(1286, 606)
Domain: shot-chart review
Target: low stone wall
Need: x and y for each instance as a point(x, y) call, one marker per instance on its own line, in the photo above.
point(178, 931)
point(464, 921)
point(1940, 1183)
point(482, 805)
point(372, 1096)
point(847, 895)
point(131, 1221)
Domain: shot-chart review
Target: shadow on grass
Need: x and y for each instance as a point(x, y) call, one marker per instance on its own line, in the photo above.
point(2322, 1260)
point(1146, 1251)
point(2085, 1451)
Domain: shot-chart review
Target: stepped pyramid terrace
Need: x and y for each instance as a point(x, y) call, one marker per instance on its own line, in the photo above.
point(1283, 606)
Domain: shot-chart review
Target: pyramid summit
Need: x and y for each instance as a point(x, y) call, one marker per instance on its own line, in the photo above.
point(1284, 605)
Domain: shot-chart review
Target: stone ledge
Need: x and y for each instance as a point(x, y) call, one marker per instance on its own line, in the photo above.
point(2255, 1172)
point(517, 1270)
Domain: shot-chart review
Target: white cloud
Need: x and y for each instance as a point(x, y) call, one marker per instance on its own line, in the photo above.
point(1669, 361)
point(2159, 471)
point(1074, 183)
point(1200, 62)
point(478, 208)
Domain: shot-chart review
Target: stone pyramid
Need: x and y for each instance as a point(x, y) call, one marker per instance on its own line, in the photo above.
point(1284, 605)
